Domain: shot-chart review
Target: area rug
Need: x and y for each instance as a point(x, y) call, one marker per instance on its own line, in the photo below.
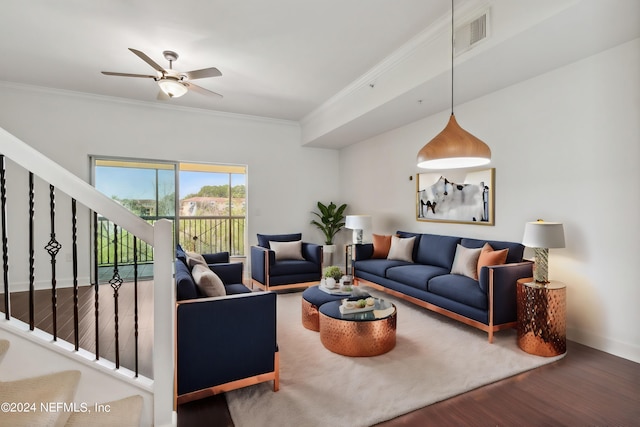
point(435, 358)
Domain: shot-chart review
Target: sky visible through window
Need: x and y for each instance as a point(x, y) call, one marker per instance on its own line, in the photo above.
point(132, 183)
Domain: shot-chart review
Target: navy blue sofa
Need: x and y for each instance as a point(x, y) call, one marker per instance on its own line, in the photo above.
point(223, 343)
point(488, 303)
point(268, 273)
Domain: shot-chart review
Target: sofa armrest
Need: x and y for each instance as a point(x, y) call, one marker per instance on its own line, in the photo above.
point(216, 258)
point(259, 270)
point(312, 252)
point(232, 346)
point(230, 273)
point(504, 278)
point(362, 251)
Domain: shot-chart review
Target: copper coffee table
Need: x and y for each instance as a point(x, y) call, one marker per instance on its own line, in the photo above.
point(369, 333)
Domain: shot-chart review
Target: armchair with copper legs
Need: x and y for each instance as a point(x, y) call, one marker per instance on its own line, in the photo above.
point(284, 261)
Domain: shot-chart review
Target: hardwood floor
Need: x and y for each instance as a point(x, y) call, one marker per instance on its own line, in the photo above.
point(43, 314)
point(586, 388)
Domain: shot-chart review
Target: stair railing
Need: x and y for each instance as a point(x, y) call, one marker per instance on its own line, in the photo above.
point(158, 235)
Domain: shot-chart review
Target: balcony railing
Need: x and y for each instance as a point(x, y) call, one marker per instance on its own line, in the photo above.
point(202, 234)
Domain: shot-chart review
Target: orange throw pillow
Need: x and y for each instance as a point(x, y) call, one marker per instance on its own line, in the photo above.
point(381, 246)
point(490, 257)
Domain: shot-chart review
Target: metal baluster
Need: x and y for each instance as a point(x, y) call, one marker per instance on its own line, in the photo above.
point(74, 238)
point(5, 246)
point(32, 280)
point(96, 285)
point(135, 297)
point(53, 247)
point(116, 282)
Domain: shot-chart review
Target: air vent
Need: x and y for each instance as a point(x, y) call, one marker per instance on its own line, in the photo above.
point(470, 34)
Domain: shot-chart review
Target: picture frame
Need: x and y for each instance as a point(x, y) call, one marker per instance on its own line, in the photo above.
point(462, 197)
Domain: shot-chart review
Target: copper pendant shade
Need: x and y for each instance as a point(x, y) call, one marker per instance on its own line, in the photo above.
point(454, 147)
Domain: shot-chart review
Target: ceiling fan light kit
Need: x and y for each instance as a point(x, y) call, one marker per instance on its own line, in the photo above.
point(454, 147)
point(172, 86)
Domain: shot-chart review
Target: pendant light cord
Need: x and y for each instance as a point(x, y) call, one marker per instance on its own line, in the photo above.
point(452, 43)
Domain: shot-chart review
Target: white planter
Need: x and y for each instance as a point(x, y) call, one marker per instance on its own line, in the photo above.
point(327, 254)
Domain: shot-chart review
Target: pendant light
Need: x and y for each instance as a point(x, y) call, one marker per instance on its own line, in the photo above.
point(454, 147)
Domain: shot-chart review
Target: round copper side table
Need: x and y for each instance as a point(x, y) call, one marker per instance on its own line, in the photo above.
point(542, 322)
point(364, 334)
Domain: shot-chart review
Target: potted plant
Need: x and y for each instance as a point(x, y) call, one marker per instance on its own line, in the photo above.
point(332, 275)
point(331, 220)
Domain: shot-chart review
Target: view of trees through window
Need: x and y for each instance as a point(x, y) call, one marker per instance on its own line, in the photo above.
point(208, 210)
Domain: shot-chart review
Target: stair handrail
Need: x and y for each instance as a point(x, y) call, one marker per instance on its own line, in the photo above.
point(56, 175)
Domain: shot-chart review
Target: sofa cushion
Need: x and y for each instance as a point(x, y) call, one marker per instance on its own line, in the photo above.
point(185, 286)
point(378, 266)
point(516, 250)
point(287, 250)
point(264, 239)
point(181, 254)
point(207, 281)
point(458, 288)
point(488, 256)
point(237, 288)
point(381, 246)
point(415, 275)
point(401, 248)
point(437, 250)
point(289, 266)
point(465, 262)
point(194, 258)
point(416, 244)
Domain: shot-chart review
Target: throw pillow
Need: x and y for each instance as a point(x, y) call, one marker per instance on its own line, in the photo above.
point(122, 413)
point(194, 258)
point(490, 257)
point(207, 281)
point(381, 246)
point(401, 249)
point(287, 250)
point(465, 262)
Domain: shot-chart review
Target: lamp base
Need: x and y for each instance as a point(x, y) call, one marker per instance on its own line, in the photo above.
point(357, 236)
point(541, 268)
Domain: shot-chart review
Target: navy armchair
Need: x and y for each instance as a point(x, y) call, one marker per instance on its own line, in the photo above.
point(287, 263)
point(223, 343)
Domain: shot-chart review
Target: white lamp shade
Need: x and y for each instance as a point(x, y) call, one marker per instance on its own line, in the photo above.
point(358, 222)
point(173, 88)
point(541, 234)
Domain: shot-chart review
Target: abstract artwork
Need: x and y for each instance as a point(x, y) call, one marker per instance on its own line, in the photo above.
point(460, 197)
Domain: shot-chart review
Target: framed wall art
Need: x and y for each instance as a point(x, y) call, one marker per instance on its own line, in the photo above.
point(465, 197)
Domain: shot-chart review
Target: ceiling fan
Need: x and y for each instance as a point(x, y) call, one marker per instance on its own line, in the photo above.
point(173, 83)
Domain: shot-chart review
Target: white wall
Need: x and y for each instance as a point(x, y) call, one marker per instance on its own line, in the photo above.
point(284, 179)
point(566, 147)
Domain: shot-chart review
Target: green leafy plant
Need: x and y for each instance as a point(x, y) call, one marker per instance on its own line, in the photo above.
point(331, 220)
point(332, 271)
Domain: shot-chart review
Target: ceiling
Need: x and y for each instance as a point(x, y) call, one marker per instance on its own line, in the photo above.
point(278, 58)
point(281, 59)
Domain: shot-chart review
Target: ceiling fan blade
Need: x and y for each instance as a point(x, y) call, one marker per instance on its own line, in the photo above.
point(148, 60)
point(205, 72)
point(202, 90)
point(163, 96)
point(110, 73)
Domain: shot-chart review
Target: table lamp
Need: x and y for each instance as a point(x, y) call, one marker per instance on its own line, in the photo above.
point(358, 223)
point(541, 235)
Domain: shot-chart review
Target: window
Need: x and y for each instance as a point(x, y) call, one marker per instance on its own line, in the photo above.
point(207, 202)
point(212, 208)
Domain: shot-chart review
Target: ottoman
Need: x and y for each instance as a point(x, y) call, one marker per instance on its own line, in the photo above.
point(312, 299)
